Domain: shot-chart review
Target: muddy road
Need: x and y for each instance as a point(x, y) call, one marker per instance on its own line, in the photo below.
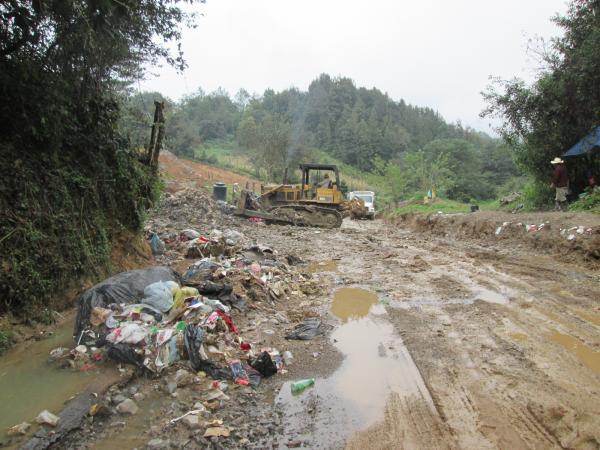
point(445, 344)
point(433, 338)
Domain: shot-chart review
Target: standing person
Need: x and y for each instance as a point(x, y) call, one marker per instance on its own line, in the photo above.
point(560, 182)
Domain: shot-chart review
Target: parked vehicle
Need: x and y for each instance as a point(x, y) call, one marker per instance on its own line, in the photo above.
point(368, 197)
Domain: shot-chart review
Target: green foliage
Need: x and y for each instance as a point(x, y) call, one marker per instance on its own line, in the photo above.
point(588, 202)
point(443, 205)
point(545, 119)
point(61, 223)
point(68, 182)
point(6, 340)
point(538, 195)
point(374, 137)
point(201, 118)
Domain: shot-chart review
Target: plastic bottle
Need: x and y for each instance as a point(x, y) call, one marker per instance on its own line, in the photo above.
point(299, 386)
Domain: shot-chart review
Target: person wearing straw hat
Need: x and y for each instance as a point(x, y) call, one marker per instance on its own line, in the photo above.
point(560, 182)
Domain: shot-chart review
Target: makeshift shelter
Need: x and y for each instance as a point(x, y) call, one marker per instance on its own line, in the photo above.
point(587, 145)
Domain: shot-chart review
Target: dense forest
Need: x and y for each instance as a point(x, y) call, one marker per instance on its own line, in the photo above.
point(412, 147)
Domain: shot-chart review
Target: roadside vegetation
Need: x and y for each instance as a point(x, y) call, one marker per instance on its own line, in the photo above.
point(544, 119)
point(70, 181)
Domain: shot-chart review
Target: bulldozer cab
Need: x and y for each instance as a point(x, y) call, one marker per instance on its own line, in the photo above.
point(320, 183)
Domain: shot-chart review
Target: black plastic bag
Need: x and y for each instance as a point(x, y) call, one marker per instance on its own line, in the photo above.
point(200, 272)
point(211, 288)
point(125, 287)
point(306, 330)
point(123, 353)
point(234, 301)
point(264, 364)
point(223, 292)
point(193, 341)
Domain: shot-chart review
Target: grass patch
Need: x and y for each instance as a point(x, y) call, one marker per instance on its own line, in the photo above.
point(440, 204)
point(6, 341)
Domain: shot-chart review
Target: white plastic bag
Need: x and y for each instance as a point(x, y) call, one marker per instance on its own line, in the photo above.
point(159, 295)
point(130, 333)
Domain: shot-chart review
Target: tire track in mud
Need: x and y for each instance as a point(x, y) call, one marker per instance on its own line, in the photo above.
point(495, 378)
point(482, 414)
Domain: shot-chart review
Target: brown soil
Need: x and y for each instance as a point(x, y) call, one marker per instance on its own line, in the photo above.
point(503, 331)
point(181, 173)
point(552, 238)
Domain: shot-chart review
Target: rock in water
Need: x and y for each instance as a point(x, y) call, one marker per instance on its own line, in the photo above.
point(127, 407)
point(47, 418)
point(18, 429)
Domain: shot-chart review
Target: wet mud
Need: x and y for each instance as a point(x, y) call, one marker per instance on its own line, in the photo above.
point(375, 365)
point(476, 319)
point(437, 338)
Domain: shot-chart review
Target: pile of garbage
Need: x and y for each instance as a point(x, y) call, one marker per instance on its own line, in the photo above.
point(154, 317)
point(212, 331)
point(570, 234)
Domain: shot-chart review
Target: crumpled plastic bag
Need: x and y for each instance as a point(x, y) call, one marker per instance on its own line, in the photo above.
point(126, 354)
point(125, 287)
point(130, 333)
point(232, 237)
point(264, 364)
point(157, 245)
point(182, 293)
point(193, 346)
point(200, 271)
point(223, 292)
point(306, 330)
point(159, 295)
point(190, 234)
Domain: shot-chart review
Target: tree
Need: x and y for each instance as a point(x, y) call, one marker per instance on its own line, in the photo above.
point(68, 177)
point(543, 120)
point(423, 172)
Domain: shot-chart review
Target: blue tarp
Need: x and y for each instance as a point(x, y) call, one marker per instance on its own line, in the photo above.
point(586, 145)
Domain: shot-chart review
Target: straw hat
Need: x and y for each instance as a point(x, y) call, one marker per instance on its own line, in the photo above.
point(557, 160)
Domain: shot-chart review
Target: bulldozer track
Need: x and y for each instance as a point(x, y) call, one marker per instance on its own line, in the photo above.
point(308, 216)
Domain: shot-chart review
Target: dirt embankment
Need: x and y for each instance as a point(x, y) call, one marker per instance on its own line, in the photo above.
point(570, 237)
point(179, 173)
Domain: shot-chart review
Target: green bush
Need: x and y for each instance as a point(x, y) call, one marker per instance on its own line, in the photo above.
point(6, 340)
point(588, 201)
point(63, 216)
point(538, 195)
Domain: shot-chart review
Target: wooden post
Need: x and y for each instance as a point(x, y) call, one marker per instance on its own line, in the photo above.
point(157, 135)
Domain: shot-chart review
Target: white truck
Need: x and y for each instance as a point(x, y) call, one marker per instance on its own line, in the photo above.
point(368, 197)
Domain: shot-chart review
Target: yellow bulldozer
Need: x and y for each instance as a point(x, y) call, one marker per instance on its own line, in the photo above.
point(316, 202)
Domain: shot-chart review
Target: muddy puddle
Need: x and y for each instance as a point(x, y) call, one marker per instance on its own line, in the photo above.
point(584, 353)
point(376, 363)
point(134, 433)
point(352, 303)
point(29, 384)
point(322, 266)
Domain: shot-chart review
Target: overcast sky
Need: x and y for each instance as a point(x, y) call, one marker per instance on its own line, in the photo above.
point(436, 53)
